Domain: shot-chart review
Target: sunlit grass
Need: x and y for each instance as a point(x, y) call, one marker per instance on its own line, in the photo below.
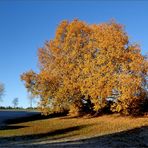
point(64, 128)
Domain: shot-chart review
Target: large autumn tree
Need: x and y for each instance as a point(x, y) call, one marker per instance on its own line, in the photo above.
point(86, 67)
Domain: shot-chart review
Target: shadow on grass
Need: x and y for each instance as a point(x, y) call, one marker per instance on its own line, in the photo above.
point(58, 134)
point(11, 127)
point(34, 117)
point(137, 137)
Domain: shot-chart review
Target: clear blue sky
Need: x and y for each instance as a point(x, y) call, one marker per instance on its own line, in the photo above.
point(25, 26)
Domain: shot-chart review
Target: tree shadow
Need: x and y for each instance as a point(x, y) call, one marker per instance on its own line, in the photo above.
point(19, 140)
point(34, 117)
point(9, 127)
point(137, 137)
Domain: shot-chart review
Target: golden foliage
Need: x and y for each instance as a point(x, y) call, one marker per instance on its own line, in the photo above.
point(89, 61)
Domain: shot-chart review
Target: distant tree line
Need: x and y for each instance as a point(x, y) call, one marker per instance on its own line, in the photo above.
point(15, 101)
point(17, 108)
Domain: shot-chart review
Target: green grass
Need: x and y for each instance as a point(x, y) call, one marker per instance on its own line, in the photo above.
point(65, 128)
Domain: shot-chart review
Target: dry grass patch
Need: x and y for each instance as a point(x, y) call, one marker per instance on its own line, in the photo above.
point(65, 128)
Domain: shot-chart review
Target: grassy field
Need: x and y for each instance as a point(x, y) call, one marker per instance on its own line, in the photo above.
point(61, 129)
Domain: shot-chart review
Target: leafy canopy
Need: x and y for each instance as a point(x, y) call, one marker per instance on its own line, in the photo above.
point(85, 66)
